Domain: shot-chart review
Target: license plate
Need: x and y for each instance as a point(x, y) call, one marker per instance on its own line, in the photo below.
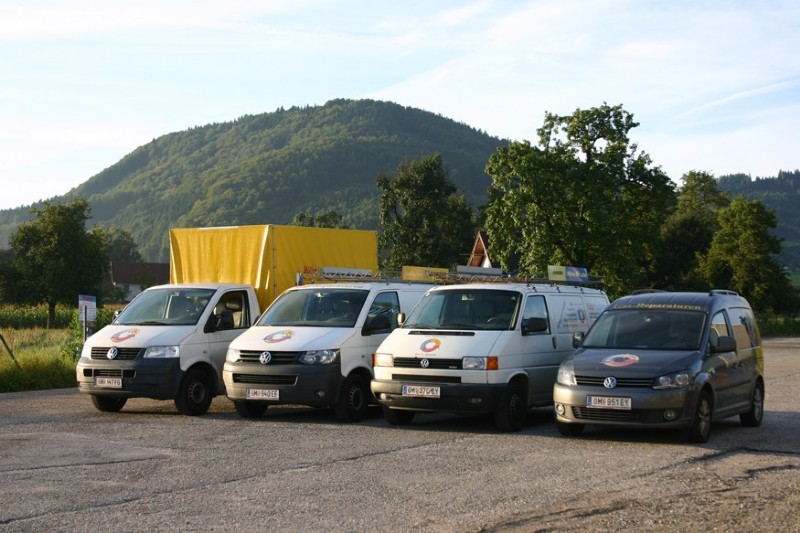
point(420, 391)
point(111, 383)
point(263, 394)
point(608, 402)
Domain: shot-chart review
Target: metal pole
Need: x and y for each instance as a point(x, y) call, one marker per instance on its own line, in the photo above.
point(9, 351)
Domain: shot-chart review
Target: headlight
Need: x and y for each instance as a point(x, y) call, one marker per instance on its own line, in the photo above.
point(382, 359)
point(566, 375)
point(674, 381)
point(231, 356)
point(319, 357)
point(162, 352)
point(479, 363)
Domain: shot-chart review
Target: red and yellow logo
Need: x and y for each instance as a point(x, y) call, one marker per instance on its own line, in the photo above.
point(124, 335)
point(430, 345)
point(279, 336)
point(623, 359)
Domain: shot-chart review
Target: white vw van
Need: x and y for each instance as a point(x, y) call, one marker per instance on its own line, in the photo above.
point(482, 347)
point(314, 345)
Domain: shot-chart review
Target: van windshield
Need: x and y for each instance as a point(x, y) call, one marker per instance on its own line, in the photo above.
point(475, 309)
point(161, 307)
point(650, 329)
point(337, 308)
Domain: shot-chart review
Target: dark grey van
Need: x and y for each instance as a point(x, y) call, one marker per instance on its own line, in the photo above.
point(664, 360)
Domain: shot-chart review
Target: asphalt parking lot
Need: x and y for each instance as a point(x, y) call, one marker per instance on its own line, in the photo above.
point(65, 466)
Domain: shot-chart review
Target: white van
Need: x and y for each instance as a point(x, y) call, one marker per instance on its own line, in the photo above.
point(314, 345)
point(482, 347)
point(168, 343)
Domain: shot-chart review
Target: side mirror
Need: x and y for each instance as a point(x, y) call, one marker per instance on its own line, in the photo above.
point(724, 343)
point(577, 339)
point(534, 324)
point(401, 317)
point(376, 324)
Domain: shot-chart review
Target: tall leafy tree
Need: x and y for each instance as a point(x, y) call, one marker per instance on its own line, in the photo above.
point(742, 257)
point(55, 258)
point(687, 232)
point(583, 197)
point(121, 246)
point(424, 220)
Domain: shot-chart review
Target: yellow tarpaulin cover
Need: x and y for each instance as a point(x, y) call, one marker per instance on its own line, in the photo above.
point(268, 257)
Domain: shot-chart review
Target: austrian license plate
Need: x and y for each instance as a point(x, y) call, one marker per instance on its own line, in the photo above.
point(263, 394)
point(421, 391)
point(111, 383)
point(609, 402)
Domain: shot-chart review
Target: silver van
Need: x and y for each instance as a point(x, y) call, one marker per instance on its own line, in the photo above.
point(665, 360)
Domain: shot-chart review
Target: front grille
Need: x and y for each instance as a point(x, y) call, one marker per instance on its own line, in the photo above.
point(98, 372)
point(593, 381)
point(439, 364)
point(265, 379)
point(123, 354)
point(278, 358)
point(609, 415)
point(426, 379)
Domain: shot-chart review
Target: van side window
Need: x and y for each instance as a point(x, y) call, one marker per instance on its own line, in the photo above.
point(719, 328)
point(232, 311)
point(743, 324)
point(536, 307)
point(385, 303)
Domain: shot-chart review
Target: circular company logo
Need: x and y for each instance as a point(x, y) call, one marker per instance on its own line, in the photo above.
point(430, 345)
point(623, 359)
point(112, 352)
point(610, 382)
point(124, 335)
point(424, 363)
point(265, 358)
point(279, 336)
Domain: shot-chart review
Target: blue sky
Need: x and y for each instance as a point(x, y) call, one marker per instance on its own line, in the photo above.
point(715, 85)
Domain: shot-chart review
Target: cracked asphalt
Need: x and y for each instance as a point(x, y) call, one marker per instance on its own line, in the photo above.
point(66, 467)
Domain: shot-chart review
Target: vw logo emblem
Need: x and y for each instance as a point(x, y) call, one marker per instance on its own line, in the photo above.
point(610, 382)
point(265, 358)
point(424, 363)
point(112, 352)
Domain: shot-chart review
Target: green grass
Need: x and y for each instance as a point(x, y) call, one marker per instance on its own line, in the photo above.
point(38, 352)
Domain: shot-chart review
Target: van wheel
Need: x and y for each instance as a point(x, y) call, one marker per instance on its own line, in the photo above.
point(700, 430)
point(569, 430)
point(195, 393)
point(108, 404)
point(397, 417)
point(513, 408)
point(755, 415)
point(250, 409)
point(354, 399)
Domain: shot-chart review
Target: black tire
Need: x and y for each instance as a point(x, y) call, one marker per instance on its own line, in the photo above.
point(513, 409)
point(108, 404)
point(354, 399)
point(398, 417)
point(250, 409)
point(700, 430)
point(755, 415)
point(569, 430)
point(195, 393)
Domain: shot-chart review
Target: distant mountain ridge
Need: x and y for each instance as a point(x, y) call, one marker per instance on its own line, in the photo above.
point(263, 169)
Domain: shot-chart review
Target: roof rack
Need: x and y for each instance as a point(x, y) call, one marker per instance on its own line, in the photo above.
point(466, 274)
point(335, 274)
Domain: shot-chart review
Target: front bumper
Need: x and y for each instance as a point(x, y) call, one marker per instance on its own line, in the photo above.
point(314, 385)
point(456, 398)
point(672, 408)
point(141, 378)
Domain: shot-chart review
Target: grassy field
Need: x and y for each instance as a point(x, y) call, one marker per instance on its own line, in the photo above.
point(39, 361)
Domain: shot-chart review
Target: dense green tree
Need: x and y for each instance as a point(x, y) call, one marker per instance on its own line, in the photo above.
point(687, 232)
point(120, 246)
point(424, 220)
point(323, 219)
point(583, 197)
point(742, 257)
point(55, 258)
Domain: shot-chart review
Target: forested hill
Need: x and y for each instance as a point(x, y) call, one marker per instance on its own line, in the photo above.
point(264, 169)
point(780, 195)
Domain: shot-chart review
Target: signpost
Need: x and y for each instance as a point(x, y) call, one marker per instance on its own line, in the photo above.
point(87, 309)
